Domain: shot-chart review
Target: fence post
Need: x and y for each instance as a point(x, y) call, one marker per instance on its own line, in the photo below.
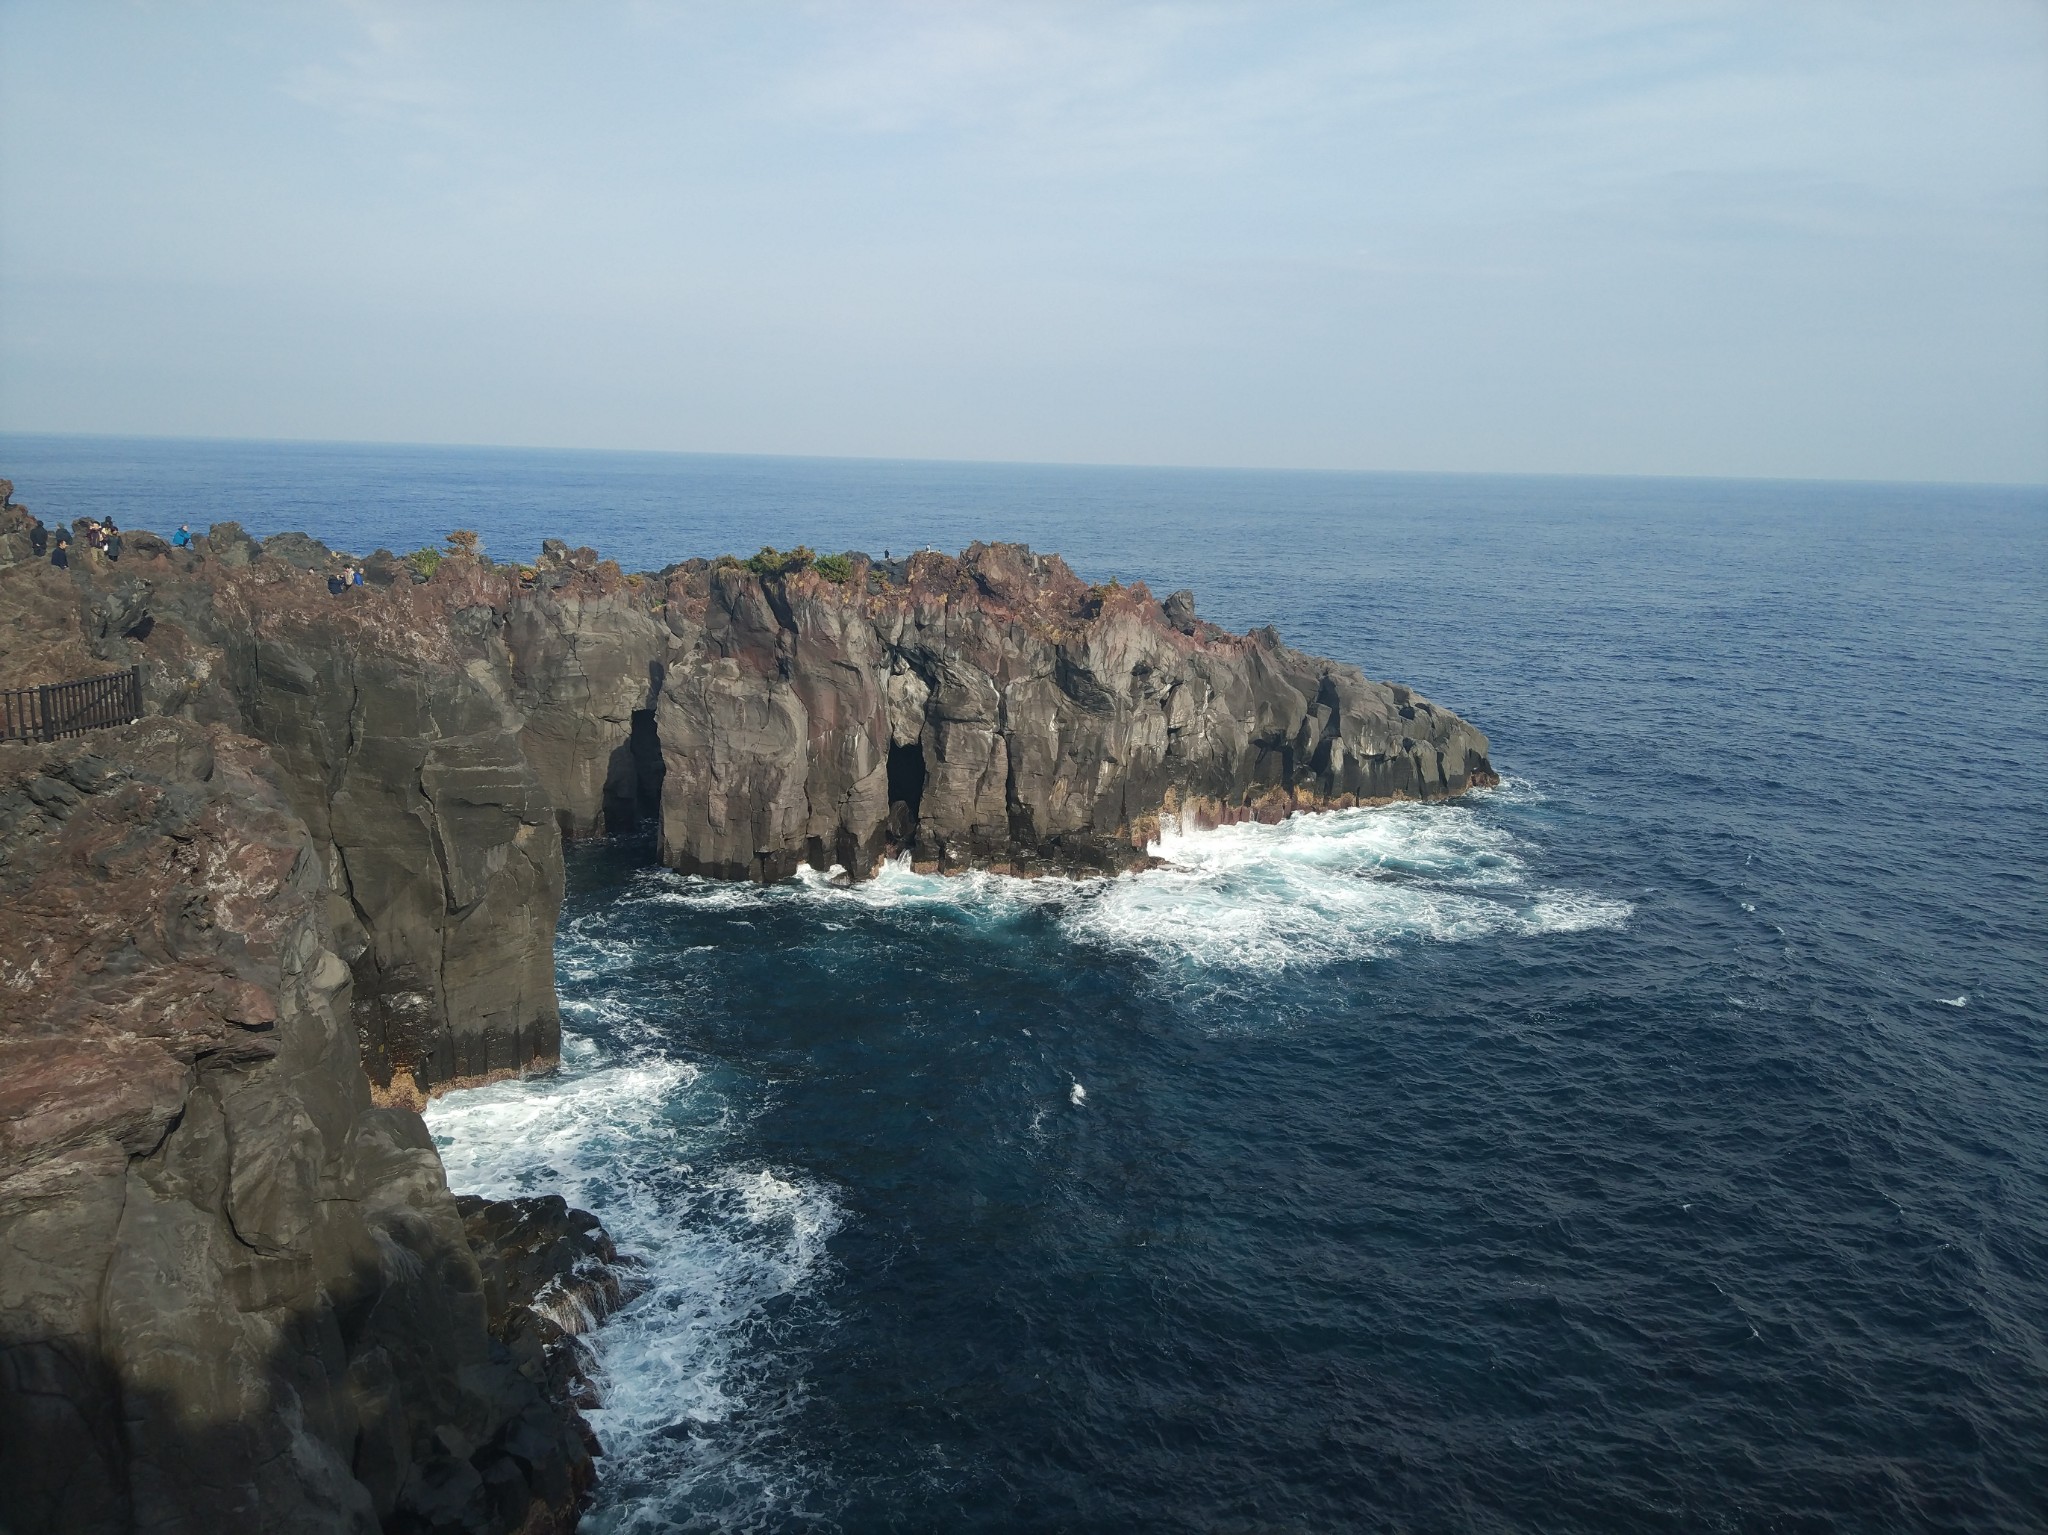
point(135, 692)
point(43, 704)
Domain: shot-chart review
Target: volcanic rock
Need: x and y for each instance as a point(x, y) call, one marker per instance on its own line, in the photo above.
point(995, 711)
point(440, 736)
point(235, 1294)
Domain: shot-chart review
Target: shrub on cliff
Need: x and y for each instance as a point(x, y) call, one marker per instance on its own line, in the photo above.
point(834, 567)
point(780, 562)
point(465, 543)
point(424, 562)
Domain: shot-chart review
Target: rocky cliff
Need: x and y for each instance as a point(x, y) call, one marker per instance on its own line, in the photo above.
point(440, 736)
point(399, 738)
point(235, 1295)
point(995, 711)
point(247, 935)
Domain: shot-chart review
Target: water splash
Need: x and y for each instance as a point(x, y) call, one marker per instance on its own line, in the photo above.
point(1309, 891)
point(692, 1385)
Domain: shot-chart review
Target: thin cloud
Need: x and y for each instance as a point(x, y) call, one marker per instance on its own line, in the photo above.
point(389, 76)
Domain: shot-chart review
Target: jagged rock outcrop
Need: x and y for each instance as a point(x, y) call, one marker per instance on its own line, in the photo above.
point(440, 736)
point(551, 1276)
point(587, 662)
point(246, 936)
point(397, 734)
point(995, 711)
point(235, 1294)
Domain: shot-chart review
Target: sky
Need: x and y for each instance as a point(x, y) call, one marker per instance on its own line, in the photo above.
point(1782, 239)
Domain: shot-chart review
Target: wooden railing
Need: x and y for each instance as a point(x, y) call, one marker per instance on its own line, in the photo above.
point(59, 709)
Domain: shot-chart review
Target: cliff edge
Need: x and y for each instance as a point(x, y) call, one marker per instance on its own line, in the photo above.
point(441, 729)
point(235, 1294)
point(250, 933)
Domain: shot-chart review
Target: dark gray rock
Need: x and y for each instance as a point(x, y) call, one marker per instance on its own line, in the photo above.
point(551, 1276)
point(227, 543)
point(235, 1294)
point(586, 657)
point(300, 551)
point(399, 743)
point(994, 711)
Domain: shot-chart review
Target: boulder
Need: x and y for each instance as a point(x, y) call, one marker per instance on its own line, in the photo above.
point(226, 542)
point(299, 550)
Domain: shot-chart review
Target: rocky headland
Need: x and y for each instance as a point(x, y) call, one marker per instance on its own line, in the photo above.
point(319, 881)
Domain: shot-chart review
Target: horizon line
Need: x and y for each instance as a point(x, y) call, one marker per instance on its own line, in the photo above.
point(1027, 463)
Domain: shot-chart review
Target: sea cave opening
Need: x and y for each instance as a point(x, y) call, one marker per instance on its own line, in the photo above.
point(906, 791)
point(632, 789)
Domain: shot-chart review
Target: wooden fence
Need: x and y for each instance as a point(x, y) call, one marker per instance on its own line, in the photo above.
point(59, 709)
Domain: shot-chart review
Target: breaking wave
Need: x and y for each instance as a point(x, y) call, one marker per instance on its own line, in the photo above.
point(1311, 890)
point(692, 1382)
point(703, 1373)
point(1349, 884)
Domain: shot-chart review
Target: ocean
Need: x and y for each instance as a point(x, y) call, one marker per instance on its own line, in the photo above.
point(1656, 1142)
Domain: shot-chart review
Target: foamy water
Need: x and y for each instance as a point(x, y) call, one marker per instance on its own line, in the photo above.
point(643, 1141)
point(698, 1385)
point(1349, 884)
point(1313, 889)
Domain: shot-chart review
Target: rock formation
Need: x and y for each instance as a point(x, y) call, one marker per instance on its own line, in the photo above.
point(439, 736)
point(235, 1295)
point(248, 935)
point(397, 737)
point(995, 711)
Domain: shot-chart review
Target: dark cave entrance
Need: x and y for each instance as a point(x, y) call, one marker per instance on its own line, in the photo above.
point(632, 787)
point(906, 791)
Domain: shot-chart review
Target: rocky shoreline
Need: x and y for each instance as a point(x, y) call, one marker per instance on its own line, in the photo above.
point(319, 882)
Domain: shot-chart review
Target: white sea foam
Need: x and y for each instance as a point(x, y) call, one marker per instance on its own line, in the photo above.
point(1512, 790)
point(1347, 885)
point(1962, 1001)
point(639, 1142)
point(1311, 890)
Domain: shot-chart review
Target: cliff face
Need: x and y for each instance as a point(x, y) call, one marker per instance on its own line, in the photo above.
point(246, 935)
point(587, 660)
point(399, 742)
point(440, 738)
point(235, 1295)
point(397, 731)
point(994, 711)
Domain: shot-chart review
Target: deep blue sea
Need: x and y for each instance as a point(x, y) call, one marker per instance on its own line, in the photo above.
point(1658, 1142)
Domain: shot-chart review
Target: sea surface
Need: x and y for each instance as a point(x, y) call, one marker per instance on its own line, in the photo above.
point(1657, 1142)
